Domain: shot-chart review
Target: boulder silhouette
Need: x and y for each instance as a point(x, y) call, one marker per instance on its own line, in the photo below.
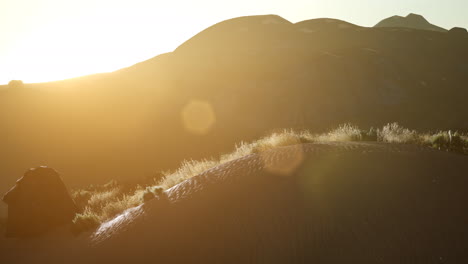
point(38, 203)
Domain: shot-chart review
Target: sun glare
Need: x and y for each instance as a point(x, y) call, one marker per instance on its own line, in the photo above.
point(77, 46)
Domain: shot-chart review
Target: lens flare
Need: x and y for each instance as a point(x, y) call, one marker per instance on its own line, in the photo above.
point(198, 117)
point(285, 165)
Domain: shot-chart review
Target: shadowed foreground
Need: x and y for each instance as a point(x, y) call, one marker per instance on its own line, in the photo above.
point(311, 203)
point(372, 203)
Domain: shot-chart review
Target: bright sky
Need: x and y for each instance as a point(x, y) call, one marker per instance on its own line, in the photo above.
point(46, 40)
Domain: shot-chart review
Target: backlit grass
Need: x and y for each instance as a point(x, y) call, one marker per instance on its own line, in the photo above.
point(101, 203)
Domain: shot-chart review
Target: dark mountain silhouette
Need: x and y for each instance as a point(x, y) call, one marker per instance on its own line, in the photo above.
point(413, 21)
point(257, 74)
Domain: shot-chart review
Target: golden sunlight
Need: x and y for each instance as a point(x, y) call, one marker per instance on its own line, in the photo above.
point(239, 131)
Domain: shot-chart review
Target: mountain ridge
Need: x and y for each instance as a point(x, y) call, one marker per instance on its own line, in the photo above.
point(413, 21)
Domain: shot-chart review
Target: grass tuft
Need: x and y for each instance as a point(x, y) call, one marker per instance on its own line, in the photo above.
point(284, 138)
point(188, 169)
point(446, 140)
point(345, 132)
point(85, 222)
point(394, 133)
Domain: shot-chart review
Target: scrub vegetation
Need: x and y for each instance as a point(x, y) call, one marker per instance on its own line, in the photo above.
point(101, 203)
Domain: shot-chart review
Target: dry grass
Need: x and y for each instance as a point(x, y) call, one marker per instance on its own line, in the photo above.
point(192, 168)
point(101, 203)
point(117, 206)
point(188, 169)
point(285, 138)
point(447, 140)
point(101, 199)
point(345, 132)
point(391, 133)
point(85, 221)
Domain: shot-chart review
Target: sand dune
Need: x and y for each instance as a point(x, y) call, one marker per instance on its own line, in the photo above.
point(310, 203)
point(366, 202)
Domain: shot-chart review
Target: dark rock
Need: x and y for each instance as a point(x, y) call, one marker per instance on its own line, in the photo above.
point(38, 203)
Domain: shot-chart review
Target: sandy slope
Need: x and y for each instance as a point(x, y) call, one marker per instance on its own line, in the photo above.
point(360, 201)
point(313, 203)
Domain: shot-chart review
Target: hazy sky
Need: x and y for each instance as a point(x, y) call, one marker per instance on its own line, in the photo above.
point(45, 40)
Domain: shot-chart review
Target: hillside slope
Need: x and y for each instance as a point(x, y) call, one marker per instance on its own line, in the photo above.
point(254, 75)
